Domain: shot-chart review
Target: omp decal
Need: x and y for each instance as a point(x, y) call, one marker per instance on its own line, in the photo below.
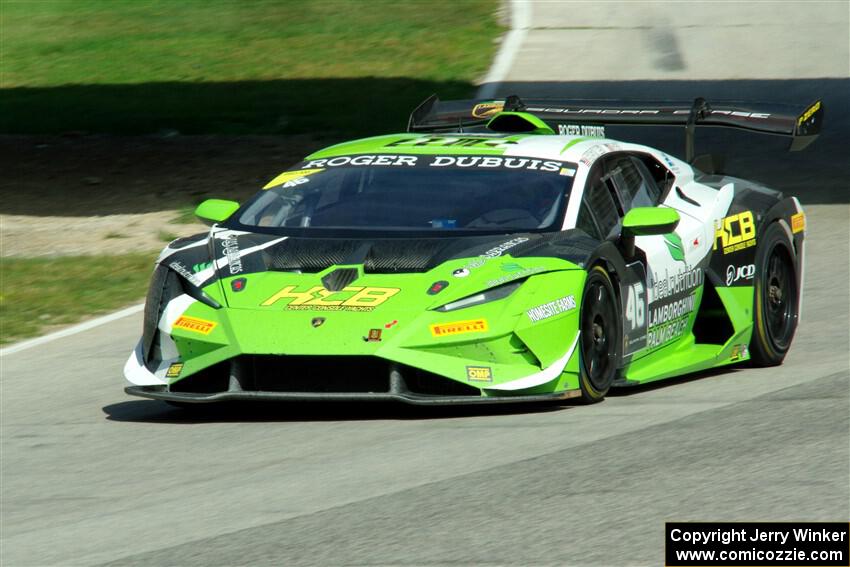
point(195, 325)
point(581, 130)
point(317, 298)
point(674, 246)
point(460, 327)
point(291, 175)
point(735, 232)
point(808, 113)
point(735, 273)
point(487, 109)
point(542, 377)
point(479, 373)
point(798, 222)
point(174, 370)
point(552, 308)
point(461, 272)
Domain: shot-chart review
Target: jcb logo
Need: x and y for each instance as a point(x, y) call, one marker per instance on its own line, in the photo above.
point(735, 233)
point(318, 298)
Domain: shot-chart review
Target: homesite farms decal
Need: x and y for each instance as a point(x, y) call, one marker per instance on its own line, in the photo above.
point(317, 298)
point(551, 309)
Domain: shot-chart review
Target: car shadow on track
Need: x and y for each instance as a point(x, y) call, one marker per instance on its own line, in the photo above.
point(154, 411)
point(627, 391)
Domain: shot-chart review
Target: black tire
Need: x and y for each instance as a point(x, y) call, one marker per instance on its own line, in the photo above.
point(600, 341)
point(776, 303)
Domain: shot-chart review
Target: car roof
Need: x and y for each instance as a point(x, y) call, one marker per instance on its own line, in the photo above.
point(553, 147)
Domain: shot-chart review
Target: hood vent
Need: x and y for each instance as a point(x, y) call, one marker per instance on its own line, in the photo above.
point(339, 279)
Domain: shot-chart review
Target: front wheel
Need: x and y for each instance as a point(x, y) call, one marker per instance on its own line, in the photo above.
point(601, 336)
point(777, 298)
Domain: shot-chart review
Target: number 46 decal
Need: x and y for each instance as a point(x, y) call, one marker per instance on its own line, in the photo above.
point(636, 307)
point(634, 298)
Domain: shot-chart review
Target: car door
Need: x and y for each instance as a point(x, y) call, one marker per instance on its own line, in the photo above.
point(673, 270)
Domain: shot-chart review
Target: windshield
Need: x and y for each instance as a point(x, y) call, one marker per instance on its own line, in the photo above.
point(414, 193)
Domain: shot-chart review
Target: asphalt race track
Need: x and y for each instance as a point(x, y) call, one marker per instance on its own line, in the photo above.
point(90, 476)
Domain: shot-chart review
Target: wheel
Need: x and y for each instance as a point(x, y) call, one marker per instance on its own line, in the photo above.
point(777, 298)
point(601, 336)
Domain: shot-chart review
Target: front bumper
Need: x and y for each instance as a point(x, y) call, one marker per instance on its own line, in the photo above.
point(162, 393)
point(328, 378)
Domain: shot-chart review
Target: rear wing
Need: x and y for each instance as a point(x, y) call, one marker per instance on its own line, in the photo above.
point(801, 123)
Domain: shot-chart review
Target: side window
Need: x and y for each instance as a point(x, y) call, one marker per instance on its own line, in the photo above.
point(659, 176)
point(585, 221)
point(600, 200)
point(635, 189)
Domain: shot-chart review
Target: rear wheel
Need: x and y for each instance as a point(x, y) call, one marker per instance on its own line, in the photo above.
point(777, 298)
point(601, 336)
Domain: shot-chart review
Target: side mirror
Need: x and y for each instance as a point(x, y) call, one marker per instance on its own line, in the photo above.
point(646, 221)
point(216, 210)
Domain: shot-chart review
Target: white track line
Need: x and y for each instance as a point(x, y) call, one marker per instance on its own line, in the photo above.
point(72, 330)
point(513, 40)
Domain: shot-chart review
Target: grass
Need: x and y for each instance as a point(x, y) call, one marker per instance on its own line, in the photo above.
point(186, 215)
point(38, 293)
point(330, 68)
point(165, 236)
point(218, 66)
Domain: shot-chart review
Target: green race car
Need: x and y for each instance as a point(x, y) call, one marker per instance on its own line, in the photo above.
point(498, 251)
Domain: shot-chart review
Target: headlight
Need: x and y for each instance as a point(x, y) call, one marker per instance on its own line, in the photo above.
point(493, 294)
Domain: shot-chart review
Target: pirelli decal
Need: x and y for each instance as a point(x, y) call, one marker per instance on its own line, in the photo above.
point(195, 325)
point(460, 327)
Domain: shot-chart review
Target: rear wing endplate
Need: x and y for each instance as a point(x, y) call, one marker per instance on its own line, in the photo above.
point(801, 123)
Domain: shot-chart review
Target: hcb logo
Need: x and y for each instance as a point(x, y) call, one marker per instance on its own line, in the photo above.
point(320, 299)
point(735, 233)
